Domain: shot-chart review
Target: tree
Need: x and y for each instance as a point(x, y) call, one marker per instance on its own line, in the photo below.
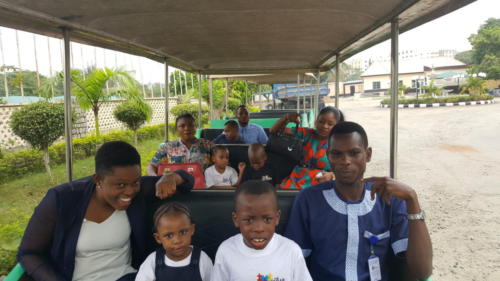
point(40, 124)
point(53, 86)
point(402, 88)
point(474, 86)
point(16, 76)
point(432, 90)
point(192, 109)
point(347, 72)
point(133, 115)
point(486, 48)
point(90, 92)
point(465, 57)
point(177, 85)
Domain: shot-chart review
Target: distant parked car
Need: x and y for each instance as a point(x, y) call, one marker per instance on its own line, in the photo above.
point(494, 92)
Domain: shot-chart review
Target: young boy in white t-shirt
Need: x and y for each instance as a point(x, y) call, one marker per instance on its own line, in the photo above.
point(176, 259)
point(220, 175)
point(258, 253)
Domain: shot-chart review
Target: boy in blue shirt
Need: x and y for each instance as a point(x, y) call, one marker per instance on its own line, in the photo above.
point(230, 135)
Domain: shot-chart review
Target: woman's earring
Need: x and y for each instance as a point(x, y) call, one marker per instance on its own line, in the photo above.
point(98, 186)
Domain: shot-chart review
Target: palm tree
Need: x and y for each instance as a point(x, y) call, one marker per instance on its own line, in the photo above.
point(53, 86)
point(474, 86)
point(432, 90)
point(90, 93)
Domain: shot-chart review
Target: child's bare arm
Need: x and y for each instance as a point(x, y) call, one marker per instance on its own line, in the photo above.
point(241, 168)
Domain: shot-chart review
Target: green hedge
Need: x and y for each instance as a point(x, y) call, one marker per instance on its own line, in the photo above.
point(13, 165)
point(10, 237)
point(191, 109)
point(429, 100)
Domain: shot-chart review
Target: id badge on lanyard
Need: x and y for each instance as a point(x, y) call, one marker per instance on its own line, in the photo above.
point(374, 262)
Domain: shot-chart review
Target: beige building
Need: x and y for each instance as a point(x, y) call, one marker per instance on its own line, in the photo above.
point(347, 88)
point(413, 73)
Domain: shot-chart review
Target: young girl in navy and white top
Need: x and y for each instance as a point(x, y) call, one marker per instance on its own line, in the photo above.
point(177, 259)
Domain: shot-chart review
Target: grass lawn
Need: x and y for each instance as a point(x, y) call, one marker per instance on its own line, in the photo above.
point(19, 197)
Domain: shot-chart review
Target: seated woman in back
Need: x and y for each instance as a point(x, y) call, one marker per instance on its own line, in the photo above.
point(187, 149)
point(314, 166)
point(94, 229)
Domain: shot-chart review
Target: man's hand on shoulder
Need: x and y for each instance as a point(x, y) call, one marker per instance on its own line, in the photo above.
point(386, 187)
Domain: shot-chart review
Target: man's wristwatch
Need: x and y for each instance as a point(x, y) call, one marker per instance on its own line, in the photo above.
point(419, 216)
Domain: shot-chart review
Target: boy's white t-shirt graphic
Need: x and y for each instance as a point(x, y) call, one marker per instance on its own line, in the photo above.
point(147, 270)
point(228, 178)
point(281, 260)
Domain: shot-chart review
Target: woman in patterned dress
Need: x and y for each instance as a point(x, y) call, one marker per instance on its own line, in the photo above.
point(187, 149)
point(314, 167)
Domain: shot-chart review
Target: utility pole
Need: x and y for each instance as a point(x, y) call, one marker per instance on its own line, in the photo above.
point(6, 85)
point(36, 64)
point(19, 64)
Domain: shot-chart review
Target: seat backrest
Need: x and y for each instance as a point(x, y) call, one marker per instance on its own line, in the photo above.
point(211, 211)
point(239, 153)
point(210, 134)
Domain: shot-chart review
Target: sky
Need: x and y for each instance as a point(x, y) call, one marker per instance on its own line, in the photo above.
point(448, 32)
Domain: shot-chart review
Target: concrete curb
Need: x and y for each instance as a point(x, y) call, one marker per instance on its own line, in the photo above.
point(463, 103)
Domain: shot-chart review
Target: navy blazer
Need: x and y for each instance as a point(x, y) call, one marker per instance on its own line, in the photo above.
point(48, 248)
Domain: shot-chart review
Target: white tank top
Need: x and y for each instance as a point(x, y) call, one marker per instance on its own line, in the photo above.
point(103, 249)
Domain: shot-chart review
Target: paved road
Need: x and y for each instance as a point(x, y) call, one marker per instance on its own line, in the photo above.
point(451, 156)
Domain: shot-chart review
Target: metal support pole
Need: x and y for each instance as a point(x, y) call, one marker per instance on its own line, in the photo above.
point(67, 106)
point(246, 93)
point(304, 93)
point(6, 85)
point(175, 83)
point(337, 80)
point(394, 96)
point(226, 97)
point(297, 93)
point(210, 98)
point(199, 101)
point(180, 82)
point(318, 92)
point(167, 100)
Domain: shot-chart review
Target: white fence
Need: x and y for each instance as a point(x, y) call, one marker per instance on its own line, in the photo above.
point(84, 125)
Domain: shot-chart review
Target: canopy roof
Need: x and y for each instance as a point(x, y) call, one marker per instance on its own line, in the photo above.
point(269, 78)
point(227, 36)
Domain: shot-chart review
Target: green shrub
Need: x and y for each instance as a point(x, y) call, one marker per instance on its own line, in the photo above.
point(253, 109)
point(16, 164)
point(232, 104)
point(192, 109)
point(7, 261)
point(10, 237)
point(448, 99)
point(40, 124)
point(131, 114)
point(151, 132)
point(126, 136)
